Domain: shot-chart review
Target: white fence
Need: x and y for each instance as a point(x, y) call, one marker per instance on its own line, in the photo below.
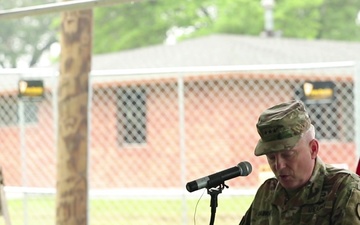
point(153, 130)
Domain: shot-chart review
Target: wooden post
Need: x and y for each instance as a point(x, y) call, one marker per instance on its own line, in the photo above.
point(3, 203)
point(72, 142)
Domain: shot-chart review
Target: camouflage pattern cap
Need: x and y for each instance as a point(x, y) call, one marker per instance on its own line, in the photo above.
point(281, 126)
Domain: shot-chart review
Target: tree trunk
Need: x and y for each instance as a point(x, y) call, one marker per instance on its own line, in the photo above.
point(72, 142)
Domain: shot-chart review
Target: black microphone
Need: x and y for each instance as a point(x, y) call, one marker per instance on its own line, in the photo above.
point(214, 180)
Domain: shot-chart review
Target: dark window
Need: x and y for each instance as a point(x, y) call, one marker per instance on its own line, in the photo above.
point(333, 120)
point(9, 111)
point(324, 118)
point(132, 115)
point(31, 112)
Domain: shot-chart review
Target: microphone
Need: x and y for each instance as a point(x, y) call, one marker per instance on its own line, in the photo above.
point(214, 180)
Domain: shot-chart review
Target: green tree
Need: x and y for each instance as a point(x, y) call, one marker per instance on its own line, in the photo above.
point(147, 23)
point(129, 26)
point(338, 20)
point(25, 40)
point(298, 19)
point(318, 19)
point(240, 17)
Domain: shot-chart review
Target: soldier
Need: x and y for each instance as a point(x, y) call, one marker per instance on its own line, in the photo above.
point(304, 190)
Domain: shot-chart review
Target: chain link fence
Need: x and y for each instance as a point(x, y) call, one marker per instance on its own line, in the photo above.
point(153, 131)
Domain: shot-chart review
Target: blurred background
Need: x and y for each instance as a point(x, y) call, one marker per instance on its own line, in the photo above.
point(176, 89)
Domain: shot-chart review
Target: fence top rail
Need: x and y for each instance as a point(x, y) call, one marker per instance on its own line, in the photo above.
point(182, 70)
point(57, 7)
point(17, 191)
point(231, 68)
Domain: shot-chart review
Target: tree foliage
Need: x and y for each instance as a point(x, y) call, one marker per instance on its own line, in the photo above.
point(318, 19)
point(128, 26)
point(25, 40)
point(150, 22)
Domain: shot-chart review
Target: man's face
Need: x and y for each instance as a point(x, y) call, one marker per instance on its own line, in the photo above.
point(293, 168)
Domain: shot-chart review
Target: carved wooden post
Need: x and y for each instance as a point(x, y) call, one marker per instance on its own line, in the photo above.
point(72, 142)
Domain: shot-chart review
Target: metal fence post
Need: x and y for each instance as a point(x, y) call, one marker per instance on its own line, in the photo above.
point(357, 106)
point(23, 156)
point(182, 143)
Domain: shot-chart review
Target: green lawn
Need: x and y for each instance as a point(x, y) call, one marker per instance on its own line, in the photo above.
point(41, 210)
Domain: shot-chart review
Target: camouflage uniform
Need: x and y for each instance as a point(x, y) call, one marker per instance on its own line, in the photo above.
point(332, 196)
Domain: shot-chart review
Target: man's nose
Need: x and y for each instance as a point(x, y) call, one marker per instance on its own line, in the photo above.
point(279, 163)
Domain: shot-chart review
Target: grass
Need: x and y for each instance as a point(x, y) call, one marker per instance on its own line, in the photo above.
point(41, 210)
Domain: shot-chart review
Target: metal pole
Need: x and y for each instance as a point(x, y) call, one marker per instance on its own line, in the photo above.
point(58, 7)
point(268, 17)
point(357, 107)
point(23, 156)
point(88, 111)
point(182, 142)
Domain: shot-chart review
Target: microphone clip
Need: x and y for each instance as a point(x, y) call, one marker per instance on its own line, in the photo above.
point(220, 187)
point(214, 192)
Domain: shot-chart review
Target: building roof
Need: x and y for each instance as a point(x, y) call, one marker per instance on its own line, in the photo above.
point(226, 49)
point(206, 54)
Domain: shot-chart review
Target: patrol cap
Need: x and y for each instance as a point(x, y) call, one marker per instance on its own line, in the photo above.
point(281, 126)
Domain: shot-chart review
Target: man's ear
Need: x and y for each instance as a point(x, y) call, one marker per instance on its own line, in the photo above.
point(314, 147)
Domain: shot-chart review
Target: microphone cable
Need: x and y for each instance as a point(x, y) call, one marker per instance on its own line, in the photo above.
point(196, 206)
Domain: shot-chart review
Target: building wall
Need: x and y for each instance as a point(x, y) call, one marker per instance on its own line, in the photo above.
point(27, 152)
point(220, 113)
point(220, 117)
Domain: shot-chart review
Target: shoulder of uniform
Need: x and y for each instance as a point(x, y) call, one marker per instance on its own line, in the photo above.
point(265, 190)
point(269, 183)
point(353, 180)
point(344, 179)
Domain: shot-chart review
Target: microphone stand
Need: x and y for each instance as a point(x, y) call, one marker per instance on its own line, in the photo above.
point(214, 192)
